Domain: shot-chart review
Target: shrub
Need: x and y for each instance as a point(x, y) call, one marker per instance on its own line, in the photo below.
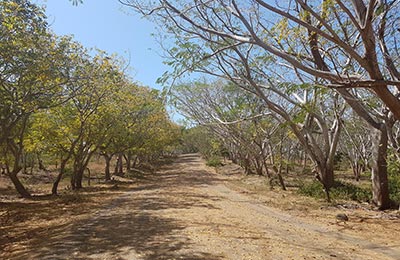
point(394, 187)
point(348, 191)
point(341, 190)
point(214, 161)
point(394, 178)
point(312, 189)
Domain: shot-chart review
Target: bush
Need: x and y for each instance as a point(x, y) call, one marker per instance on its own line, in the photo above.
point(341, 190)
point(312, 189)
point(348, 191)
point(394, 187)
point(214, 161)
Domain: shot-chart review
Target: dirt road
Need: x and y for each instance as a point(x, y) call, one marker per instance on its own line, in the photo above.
point(187, 212)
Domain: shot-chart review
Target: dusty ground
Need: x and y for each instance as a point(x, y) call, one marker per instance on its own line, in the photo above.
point(187, 211)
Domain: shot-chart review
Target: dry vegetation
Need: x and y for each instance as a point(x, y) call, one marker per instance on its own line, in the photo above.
point(364, 219)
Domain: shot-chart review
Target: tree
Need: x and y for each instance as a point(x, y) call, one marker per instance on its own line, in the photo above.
point(344, 45)
point(35, 72)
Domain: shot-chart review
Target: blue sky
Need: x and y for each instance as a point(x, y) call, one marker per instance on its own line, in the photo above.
point(111, 27)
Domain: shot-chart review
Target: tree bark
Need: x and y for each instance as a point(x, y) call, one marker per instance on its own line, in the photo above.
point(107, 158)
point(79, 178)
point(54, 189)
point(40, 162)
point(18, 185)
point(380, 186)
point(119, 165)
point(327, 176)
point(128, 159)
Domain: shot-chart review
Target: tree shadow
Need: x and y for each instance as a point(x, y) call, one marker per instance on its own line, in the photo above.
point(124, 230)
point(132, 226)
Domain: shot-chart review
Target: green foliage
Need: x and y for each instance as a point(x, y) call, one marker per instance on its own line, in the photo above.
point(312, 189)
point(394, 187)
point(199, 139)
point(394, 178)
point(62, 103)
point(214, 161)
point(348, 191)
point(340, 191)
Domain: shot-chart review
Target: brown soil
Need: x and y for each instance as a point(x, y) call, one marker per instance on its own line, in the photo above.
point(187, 211)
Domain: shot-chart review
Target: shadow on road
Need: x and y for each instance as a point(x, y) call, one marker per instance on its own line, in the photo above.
point(132, 227)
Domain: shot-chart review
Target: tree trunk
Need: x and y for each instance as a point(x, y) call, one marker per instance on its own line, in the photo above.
point(259, 167)
point(266, 168)
point(326, 175)
point(54, 189)
point(135, 161)
point(380, 186)
point(280, 178)
point(119, 165)
point(79, 178)
point(77, 175)
point(304, 163)
point(40, 162)
point(107, 158)
point(89, 173)
point(355, 168)
point(73, 177)
point(18, 185)
point(24, 163)
point(128, 159)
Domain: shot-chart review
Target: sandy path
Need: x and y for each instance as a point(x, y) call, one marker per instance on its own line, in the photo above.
point(187, 212)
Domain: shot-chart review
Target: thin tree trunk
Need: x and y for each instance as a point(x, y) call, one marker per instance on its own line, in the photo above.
point(380, 186)
point(259, 167)
point(40, 162)
point(89, 173)
point(79, 178)
point(107, 158)
point(304, 161)
point(135, 161)
point(128, 159)
point(18, 185)
point(24, 163)
point(280, 178)
point(119, 165)
point(54, 189)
